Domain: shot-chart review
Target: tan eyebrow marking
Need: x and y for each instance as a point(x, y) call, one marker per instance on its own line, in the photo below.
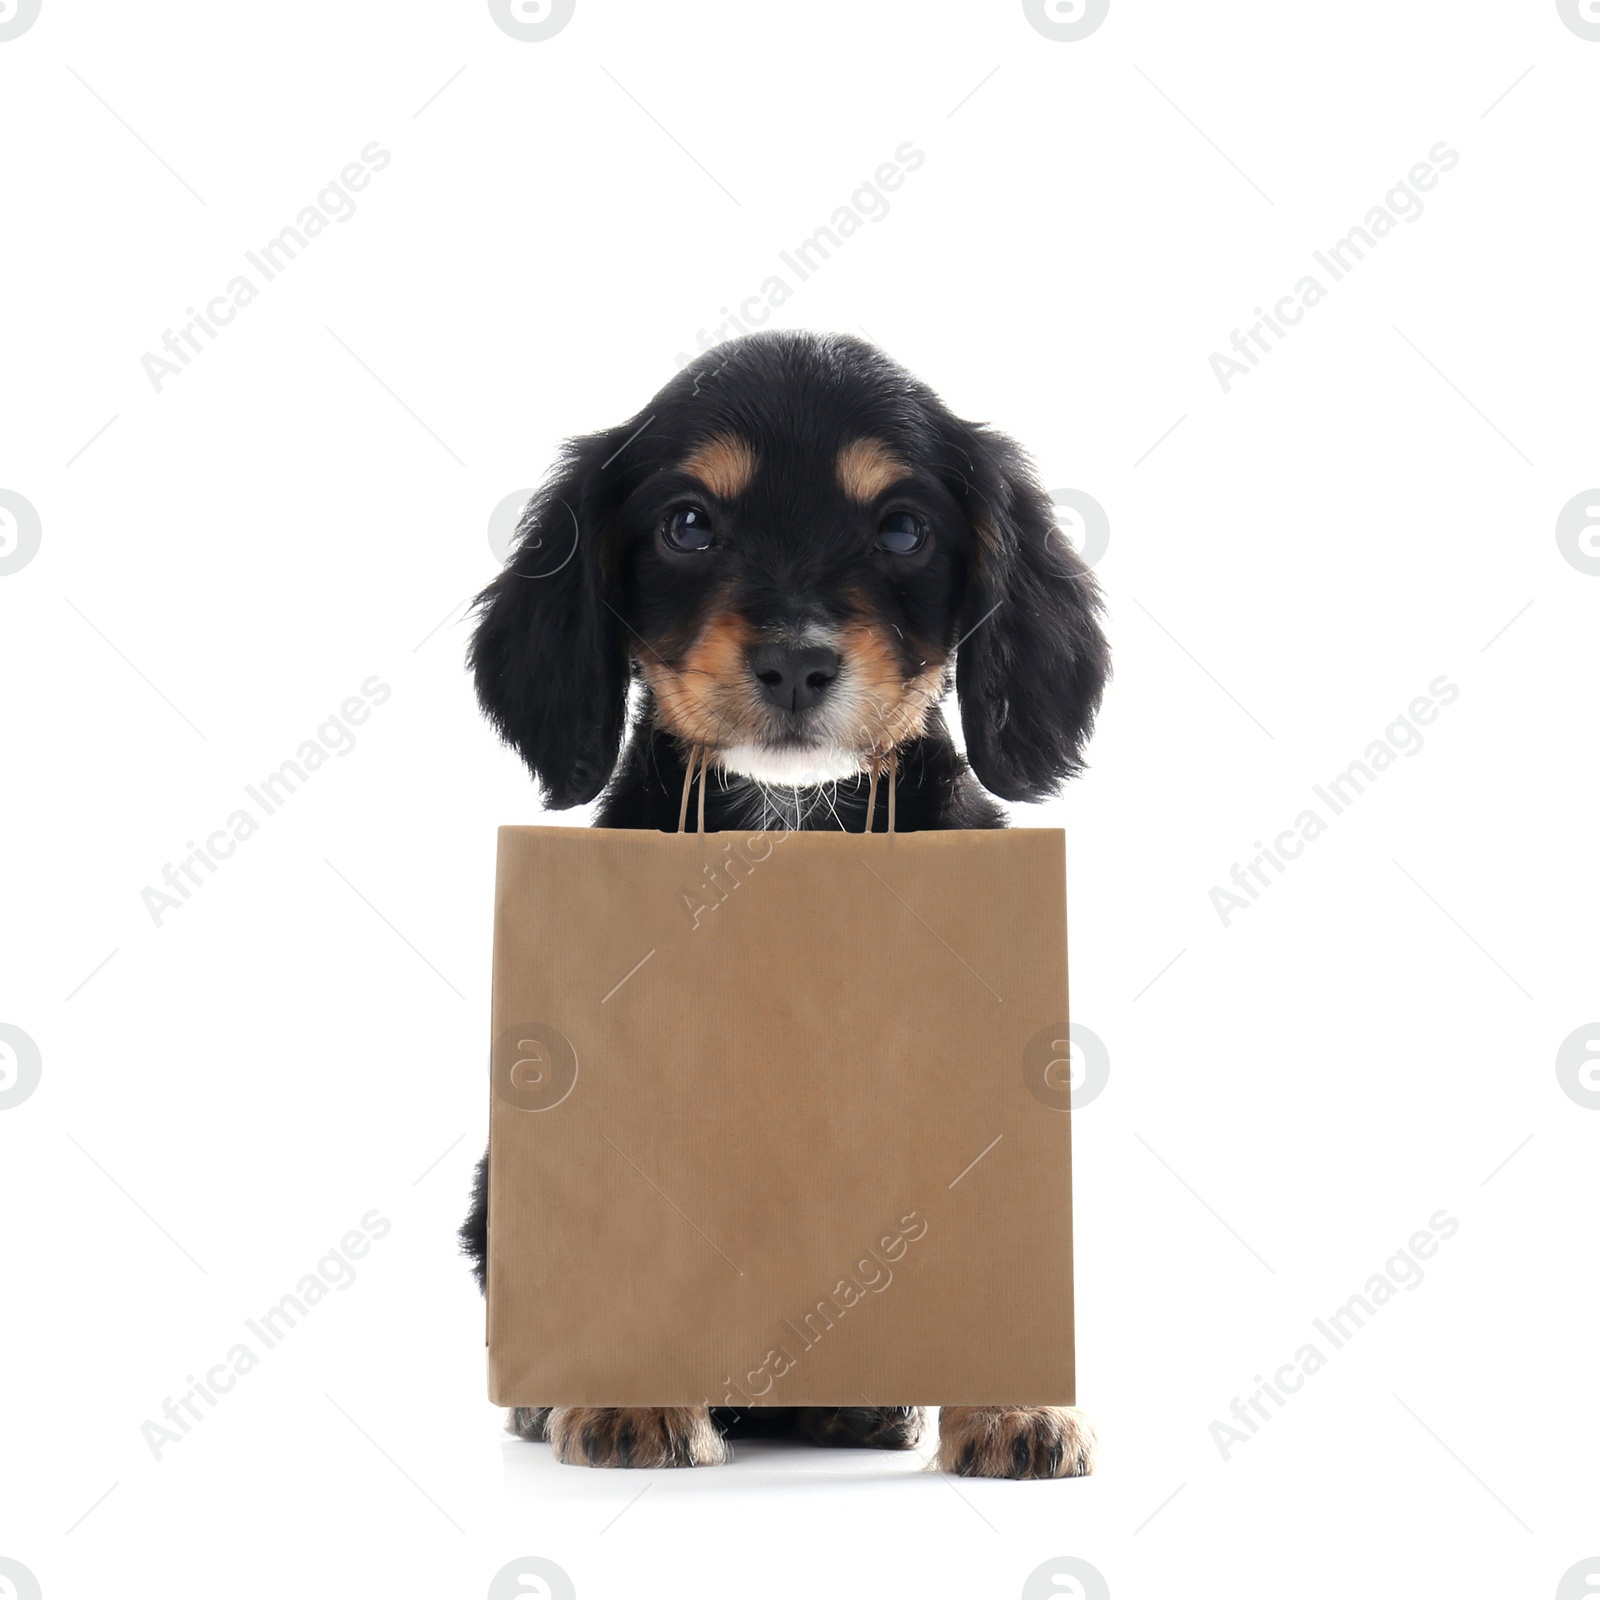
point(725, 464)
point(866, 467)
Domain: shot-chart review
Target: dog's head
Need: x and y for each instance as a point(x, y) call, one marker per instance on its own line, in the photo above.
point(792, 544)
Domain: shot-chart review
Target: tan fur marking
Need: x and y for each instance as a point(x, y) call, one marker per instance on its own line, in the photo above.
point(896, 708)
point(707, 696)
point(866, 467)
point(725, 464)
point(704, 698)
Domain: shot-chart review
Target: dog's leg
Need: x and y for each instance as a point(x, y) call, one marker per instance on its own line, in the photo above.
point(635, 1436)
point(529, 1422)
point(862, 1427)
point(1016, 1442)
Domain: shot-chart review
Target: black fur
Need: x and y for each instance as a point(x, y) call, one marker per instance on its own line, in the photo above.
point(593, 598)
point(1030, 671)
point(549, 656)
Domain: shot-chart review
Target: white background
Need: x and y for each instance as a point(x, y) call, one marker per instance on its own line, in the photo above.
point(225, 1095)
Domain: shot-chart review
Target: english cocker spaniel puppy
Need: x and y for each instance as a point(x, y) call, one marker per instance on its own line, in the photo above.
point(791, 553)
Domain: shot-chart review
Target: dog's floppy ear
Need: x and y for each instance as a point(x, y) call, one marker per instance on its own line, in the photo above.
point(549, 656)
point(1032, 661)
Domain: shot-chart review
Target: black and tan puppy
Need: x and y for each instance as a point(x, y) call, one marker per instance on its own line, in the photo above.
point(791, 552)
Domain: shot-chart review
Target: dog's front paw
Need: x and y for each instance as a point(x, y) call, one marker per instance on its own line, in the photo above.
point(528, 1422)
point(635, 1436)
point(1016, 1442)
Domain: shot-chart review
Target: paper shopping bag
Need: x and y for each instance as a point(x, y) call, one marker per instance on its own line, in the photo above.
point(780, 1119)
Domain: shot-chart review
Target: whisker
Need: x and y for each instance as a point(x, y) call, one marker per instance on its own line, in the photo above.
point(830, 805)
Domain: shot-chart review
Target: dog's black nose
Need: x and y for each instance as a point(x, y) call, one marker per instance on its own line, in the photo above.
point(791, 678)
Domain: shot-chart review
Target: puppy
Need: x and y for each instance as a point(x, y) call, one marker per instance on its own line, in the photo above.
point(789, 555)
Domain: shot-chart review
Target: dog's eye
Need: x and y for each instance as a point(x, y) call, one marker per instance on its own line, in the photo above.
point(901, 533)
point(687, 528)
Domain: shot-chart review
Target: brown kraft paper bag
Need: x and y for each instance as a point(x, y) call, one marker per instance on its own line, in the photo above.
point(780, 1119)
